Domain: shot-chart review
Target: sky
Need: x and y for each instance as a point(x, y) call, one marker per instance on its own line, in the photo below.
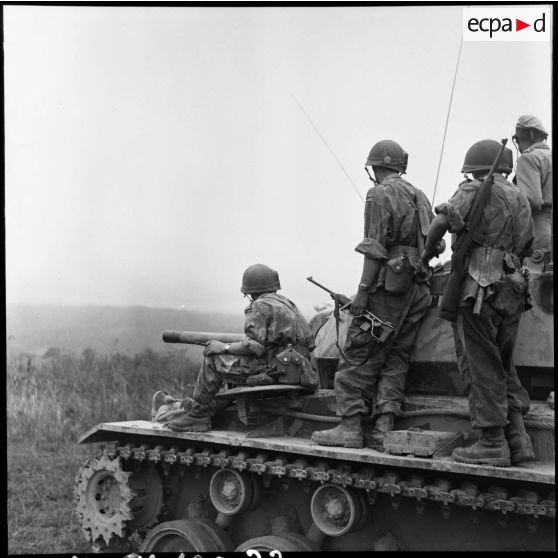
point(152, 154)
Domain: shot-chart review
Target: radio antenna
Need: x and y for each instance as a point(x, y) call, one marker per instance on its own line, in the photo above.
point(447, 120)
point(328, 147)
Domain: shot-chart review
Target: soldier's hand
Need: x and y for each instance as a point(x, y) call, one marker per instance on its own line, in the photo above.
point(440, 247)
point(343, 299)
point(214, 347)
point(359, 303)
point(425, 259)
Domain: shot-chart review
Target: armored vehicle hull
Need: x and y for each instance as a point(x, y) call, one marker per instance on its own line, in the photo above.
point(257, 481)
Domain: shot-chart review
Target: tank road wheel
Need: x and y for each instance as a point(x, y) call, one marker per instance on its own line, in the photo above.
point(109, 498)
point(147, 489)
point(285, 542)
point(183, 535)
point(337, 510)
point(232, 492)
point(364, 507)
point(219, 536)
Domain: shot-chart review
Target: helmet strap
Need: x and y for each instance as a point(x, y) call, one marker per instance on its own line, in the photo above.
point(370, 176)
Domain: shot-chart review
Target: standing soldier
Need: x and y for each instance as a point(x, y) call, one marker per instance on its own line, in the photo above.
point(534, 177)
point(275, 333)
point(497, 400)
point(394, 288)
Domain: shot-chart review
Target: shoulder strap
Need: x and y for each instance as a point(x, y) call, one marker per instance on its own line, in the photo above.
point(413, 199)
point(512, 216)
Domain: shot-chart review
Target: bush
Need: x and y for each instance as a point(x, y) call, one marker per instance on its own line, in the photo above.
point(57, 398)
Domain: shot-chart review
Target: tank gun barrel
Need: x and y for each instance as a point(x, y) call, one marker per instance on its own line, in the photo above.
point(199, 337)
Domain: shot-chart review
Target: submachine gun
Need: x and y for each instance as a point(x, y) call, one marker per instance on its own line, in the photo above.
point(463, 244)
point(379, 329)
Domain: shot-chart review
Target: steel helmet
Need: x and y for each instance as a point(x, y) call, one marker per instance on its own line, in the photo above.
point(529, 122)
point(481, 155)
point(388, 154)
point(259, 278)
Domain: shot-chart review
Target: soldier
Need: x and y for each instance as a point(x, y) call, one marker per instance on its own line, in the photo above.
point(534, 176)
point(497, 400)
point(272, 323)
point(393, 287)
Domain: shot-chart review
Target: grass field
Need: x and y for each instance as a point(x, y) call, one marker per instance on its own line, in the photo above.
point(41, 517)
point(51, 401)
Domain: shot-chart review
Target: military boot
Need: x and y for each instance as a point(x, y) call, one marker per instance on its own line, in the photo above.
point(491, 449)
point(190, 423)
point(347, 435)
point(521, 448)
point(384, 423)
point(197, 419)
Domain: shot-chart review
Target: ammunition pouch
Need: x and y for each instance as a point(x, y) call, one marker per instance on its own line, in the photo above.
point(401, 269)
point(438, 281)
point(290, 367)
point(399, 275)
point(511, 294)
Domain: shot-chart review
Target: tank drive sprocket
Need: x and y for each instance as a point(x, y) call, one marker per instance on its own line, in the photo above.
point(112, 503)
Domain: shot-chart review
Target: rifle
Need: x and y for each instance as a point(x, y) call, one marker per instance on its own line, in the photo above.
point(379, 329)
point(462, 246)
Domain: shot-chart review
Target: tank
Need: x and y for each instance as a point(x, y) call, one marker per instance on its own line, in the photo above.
point(256, 481)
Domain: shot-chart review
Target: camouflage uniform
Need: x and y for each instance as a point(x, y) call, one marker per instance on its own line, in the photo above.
point(488, 339)
point(534, 178)
point(272, 322)
point(391, 227)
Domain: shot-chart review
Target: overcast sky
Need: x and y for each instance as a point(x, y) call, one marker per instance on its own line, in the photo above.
point(152, 154)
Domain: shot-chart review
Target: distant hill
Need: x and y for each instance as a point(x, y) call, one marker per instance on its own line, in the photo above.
point(36, 328)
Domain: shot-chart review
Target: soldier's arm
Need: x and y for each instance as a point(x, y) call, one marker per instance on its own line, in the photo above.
point(215, 347)
point(238, 347)
point(370, 269)
point(253, 342)
point(372, 246)
point(528, 178)
point(525, 227)
point(255, 330)
point(437, 230)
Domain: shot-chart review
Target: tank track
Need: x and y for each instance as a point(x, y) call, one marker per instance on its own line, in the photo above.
point(533, 504)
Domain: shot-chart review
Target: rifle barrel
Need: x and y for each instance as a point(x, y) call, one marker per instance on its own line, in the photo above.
point(319, 285)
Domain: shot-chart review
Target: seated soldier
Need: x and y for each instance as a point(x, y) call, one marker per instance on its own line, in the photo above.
point(275, 349)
